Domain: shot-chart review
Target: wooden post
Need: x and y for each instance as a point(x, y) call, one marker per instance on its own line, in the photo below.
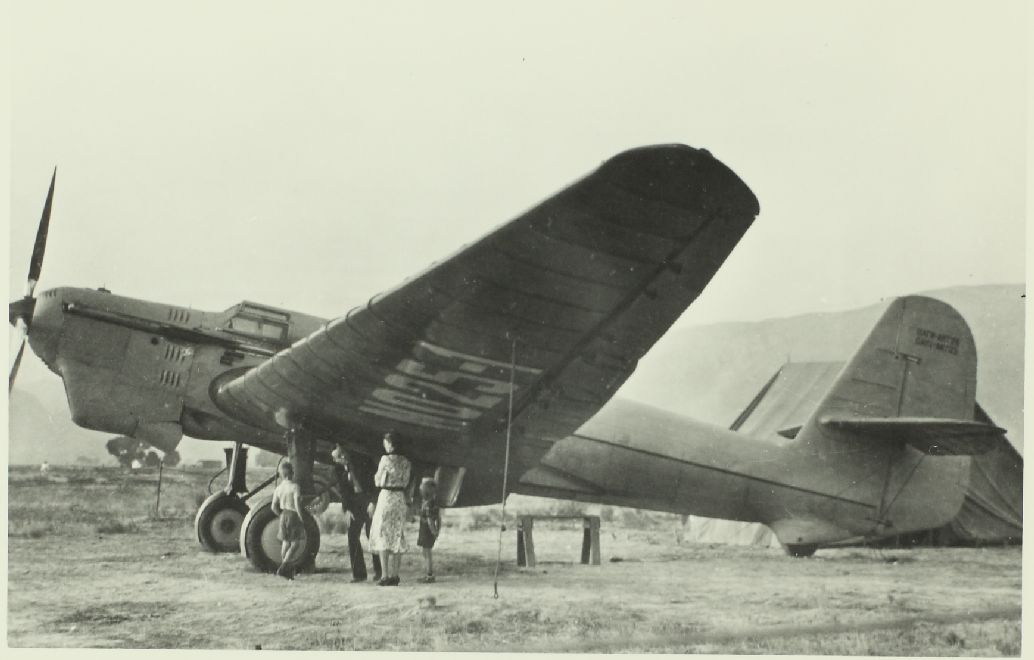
point(591, 540)
point(158, 495)
point(522, 559)
point(525, 541)
point(594, 539)
point(586, 540)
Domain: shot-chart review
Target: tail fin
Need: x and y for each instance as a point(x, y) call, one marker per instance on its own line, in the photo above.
point(912, 381)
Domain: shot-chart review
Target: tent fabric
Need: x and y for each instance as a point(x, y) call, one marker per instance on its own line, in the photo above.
point(992, 510)
point(787, 400)
point(729, 532)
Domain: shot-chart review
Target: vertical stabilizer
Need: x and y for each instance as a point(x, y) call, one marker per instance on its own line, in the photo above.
point(919, 361)
point(907, 394)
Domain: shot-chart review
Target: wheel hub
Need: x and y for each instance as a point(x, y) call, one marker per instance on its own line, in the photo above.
point(226, 526)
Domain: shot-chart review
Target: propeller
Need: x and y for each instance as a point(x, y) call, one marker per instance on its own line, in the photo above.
point(20, 311)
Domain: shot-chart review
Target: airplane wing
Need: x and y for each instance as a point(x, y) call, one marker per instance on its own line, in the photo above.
point(575, 290)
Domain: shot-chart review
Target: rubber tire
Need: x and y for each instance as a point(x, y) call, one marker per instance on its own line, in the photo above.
point(218, 522)
point(259, 543)
point(801, 551)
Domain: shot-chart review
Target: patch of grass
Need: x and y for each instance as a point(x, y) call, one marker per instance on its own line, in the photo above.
point(29, 531)
point(982, 638)
point(482, 518)
point(113, 614)
point(639, 519)
point(118, 527)
point(93, 616)
point(70, 502)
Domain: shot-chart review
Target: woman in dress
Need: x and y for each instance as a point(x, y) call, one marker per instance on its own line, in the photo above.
point(387, 534)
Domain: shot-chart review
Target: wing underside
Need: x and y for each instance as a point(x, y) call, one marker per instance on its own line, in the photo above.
point(572, 292)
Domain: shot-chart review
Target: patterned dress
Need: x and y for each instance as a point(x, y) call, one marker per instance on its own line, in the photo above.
point(387, 532)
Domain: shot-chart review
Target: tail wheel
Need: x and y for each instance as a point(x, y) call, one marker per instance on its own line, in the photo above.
point(801, 551)
point(259, 542)
point(218, 522)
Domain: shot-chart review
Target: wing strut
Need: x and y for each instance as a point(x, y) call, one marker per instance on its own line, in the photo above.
point(506, 470)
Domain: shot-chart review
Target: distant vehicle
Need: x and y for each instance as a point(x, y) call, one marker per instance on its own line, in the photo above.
point(525, 335)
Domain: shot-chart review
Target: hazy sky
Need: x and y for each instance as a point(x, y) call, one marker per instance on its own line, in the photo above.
point(313, 157)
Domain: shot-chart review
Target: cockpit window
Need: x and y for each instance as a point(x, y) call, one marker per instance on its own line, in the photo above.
point(263, 312)
point(245, 324)
point(266, 324)
point(273, 331)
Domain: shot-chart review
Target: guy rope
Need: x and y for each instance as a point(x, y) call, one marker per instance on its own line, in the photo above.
point(506, 470)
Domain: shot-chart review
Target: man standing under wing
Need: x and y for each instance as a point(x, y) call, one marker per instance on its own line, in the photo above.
point(357, 498)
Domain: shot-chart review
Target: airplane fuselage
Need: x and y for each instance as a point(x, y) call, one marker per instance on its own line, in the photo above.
point(150, 370)
point(631, 454)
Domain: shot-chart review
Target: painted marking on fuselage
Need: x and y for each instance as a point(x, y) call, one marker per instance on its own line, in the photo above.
point(442, 388)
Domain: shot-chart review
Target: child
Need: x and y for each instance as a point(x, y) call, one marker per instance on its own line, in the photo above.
point(430, 522)
point(287, 503)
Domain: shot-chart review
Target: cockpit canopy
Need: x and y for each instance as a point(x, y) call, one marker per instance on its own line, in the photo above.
point(258, 321)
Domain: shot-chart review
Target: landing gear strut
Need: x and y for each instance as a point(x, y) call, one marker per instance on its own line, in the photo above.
point(218, 520)
point(220, 516)
point(259, 540)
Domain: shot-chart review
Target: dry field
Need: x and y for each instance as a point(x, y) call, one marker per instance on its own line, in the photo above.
point(91, 565)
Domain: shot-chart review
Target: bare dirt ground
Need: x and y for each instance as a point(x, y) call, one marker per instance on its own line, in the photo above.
point(91, 565)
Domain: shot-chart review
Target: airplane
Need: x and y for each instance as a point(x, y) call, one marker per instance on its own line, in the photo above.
point(504, 359)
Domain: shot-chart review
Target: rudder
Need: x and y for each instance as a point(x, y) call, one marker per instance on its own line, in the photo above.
point(919, 361)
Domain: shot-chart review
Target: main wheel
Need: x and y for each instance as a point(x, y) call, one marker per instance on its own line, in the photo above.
point(801, 550)
point(218, 522)
point(259, 542)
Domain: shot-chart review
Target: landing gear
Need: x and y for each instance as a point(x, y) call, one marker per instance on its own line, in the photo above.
point(218, 522)
point(802, 550)
point(219, 518)
point(260, 544)
point(259, 540)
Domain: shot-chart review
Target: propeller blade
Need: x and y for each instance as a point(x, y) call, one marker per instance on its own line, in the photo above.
point(40, 246)
point(21, 329)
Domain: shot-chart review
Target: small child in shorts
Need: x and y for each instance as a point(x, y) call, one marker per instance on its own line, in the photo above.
point(430, 523)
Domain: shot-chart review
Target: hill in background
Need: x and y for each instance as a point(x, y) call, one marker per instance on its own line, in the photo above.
point(711, 372)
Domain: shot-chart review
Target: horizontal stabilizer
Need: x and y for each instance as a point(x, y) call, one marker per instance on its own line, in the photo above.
point(954, 437)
